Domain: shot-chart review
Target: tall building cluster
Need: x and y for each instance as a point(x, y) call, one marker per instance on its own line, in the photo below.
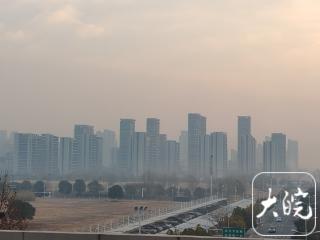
point(279, 154)
point(246, 146)
point(198, 152)
point(146, 152)
point(49, 155)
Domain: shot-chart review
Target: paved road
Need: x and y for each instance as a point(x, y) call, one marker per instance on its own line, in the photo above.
point(212, 218)
point(282, 228)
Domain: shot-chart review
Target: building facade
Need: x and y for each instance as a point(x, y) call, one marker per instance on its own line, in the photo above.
point(65, 155)
point(109, 144)
point(293, 155)
point(127, 130)
point(36, 154)
point(139, 154)
point(246, 146)
point(274, 153)
point(153, 145)
point(218, 154)
point(196, 135)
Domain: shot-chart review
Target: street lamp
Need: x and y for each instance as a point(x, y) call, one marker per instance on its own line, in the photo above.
point(211, 177)
point(140, 211)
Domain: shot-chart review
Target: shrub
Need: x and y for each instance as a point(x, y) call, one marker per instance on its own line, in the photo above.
point(65, 187)
point(24, 210)
point(79, 187)
point(115, 192)
point(95, 187)
point(39, 187)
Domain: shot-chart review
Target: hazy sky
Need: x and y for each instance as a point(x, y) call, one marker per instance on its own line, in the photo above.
point(66, 62)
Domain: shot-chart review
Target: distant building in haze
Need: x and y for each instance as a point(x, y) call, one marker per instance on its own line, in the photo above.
point(268, 165)
point(205, 164)
point(274, 153)
point(183, 152)
point(153, 145)
point(3, 142)
point(218, 153)
point(6, 164)
point(196, 134)
point(109, 145)
point(293, 155)
point(36, 154)
point(65, 155)
point(279, 149)
point(139, 154)
point(162, 165)
point(24, 148)
point(233, 162)
point(50, 153)
point(172, 157)
point(87, 149)
point(127, 130)
point(246, 146)
point(259, 157)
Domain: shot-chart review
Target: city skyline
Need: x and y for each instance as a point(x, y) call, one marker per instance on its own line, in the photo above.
point(203, 154)
point(161, 132)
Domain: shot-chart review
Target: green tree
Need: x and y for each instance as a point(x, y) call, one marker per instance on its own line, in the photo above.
point(95, 187)
point(200, 231)
point(25, 185)
point(39, 186)
point(236, 221)
point(65, 187)
point(79, 187)
point(13, 213)
point(24, 210)
point(115, 192)
point(188, 231)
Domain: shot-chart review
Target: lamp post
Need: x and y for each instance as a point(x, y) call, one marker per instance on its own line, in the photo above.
point(211, 177)
point(140, 211)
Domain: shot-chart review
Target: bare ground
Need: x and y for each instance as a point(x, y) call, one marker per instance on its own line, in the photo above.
point(78, 214)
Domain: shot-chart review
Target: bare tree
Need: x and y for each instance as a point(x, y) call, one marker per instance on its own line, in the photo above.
point(10, 219)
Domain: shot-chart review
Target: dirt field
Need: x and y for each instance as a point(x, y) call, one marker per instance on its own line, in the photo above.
point(76, 214)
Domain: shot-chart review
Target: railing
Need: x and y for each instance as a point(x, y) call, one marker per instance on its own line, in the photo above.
point(18, 235)
point(133, 220)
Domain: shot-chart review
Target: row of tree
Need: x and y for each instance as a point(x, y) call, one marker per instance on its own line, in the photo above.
point(79, 188)
point(138, 190)
point(129, 191)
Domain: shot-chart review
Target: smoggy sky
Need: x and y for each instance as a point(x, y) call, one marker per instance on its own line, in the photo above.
point(66, 62)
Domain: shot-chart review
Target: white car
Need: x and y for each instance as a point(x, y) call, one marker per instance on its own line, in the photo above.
point(272, 230)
